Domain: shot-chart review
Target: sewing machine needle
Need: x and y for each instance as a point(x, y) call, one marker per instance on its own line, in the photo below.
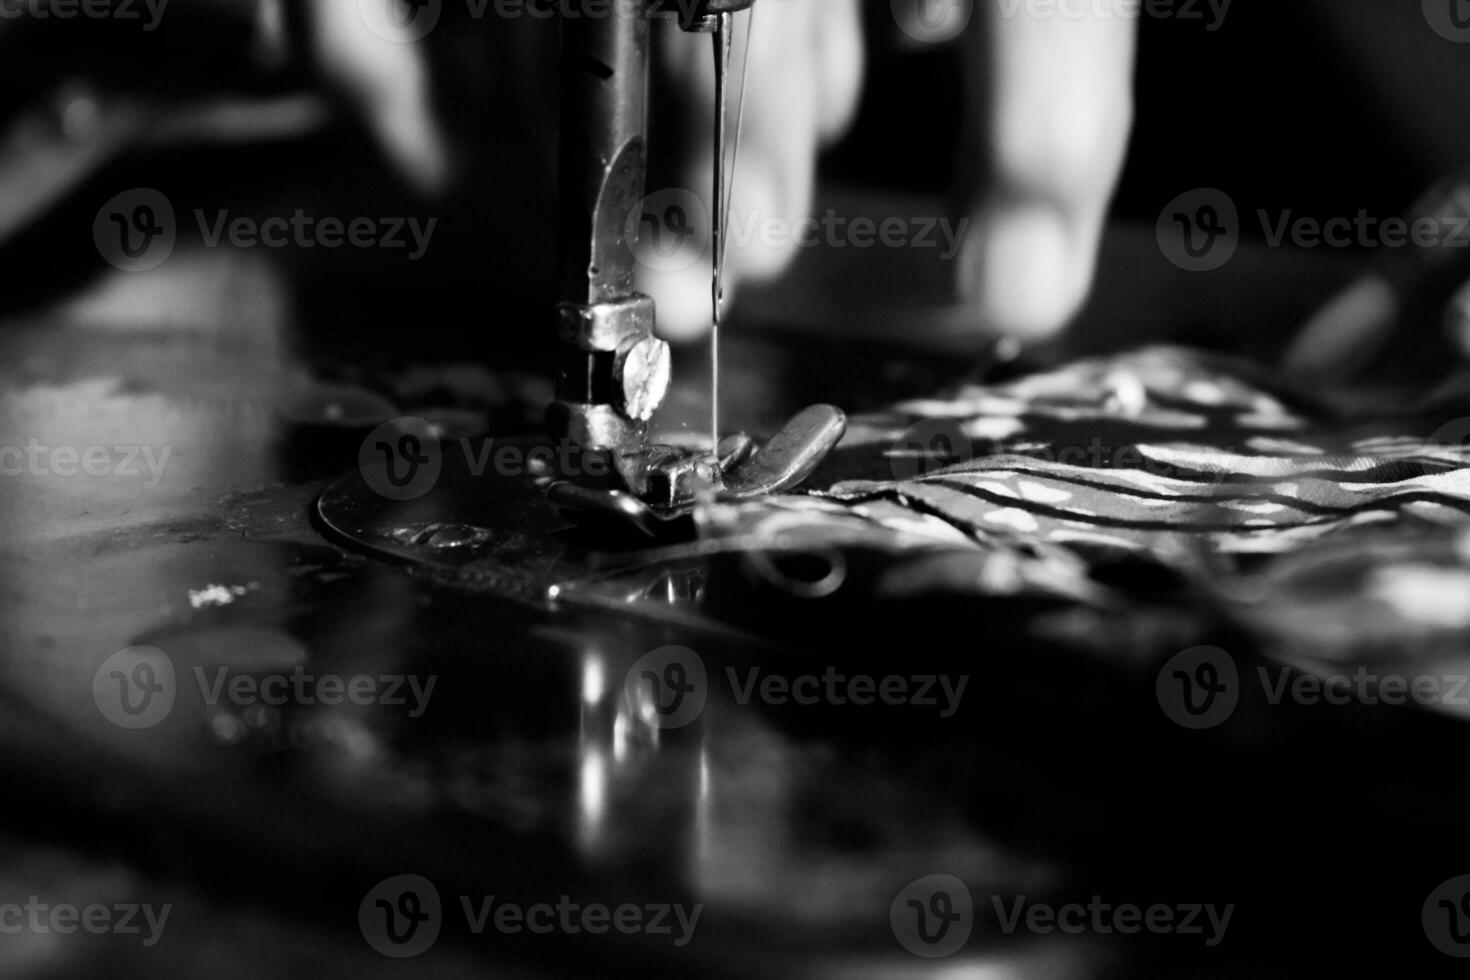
point(722, 43)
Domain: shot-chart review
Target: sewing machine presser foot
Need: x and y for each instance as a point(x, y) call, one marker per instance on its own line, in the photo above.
point(654, 489)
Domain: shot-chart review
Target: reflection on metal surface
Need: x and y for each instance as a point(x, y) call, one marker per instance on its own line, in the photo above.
point(591, 798)
point(703, 831)
point(592, 751)
point(439, 536)
point(799, 573)
point(632, 776)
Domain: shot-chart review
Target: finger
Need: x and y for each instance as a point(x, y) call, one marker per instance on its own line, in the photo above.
point(802, 83)
point(387, 83)
point(1051, 105)
point(840, 63)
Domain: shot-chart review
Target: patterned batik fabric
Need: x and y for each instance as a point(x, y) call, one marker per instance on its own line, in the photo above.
point(1186, 459)
point(1155, 451)
point(1136, 509)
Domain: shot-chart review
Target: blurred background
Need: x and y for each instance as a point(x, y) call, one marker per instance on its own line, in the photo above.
point(1305, 107)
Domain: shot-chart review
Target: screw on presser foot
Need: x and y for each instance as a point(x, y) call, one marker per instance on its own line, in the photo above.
point(662, 484)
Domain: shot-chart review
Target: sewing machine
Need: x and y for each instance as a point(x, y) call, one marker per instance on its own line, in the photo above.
point(608, 471)
point(612, 372)
point(801, 827)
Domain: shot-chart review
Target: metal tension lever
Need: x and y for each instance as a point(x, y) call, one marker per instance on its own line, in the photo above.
point(655, 488)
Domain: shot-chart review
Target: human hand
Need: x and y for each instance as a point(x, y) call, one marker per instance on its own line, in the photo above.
point(1047, 111)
